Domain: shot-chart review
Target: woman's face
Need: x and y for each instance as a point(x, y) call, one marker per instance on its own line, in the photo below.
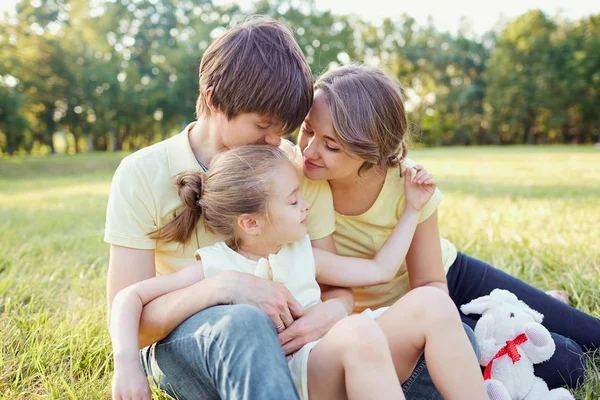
point(324, 157)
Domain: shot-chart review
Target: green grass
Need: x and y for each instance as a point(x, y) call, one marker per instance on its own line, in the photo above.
point(532, 211)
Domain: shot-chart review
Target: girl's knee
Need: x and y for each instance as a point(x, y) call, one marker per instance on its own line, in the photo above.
point(433, 303)
point(358, 335)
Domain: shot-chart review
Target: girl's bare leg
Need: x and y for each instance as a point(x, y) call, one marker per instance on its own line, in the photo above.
point(353, 361)
point(427, 320)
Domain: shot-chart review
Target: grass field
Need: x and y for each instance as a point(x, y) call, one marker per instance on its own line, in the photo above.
point(532, 211)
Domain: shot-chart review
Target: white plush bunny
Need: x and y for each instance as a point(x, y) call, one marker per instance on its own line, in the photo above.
point(512, 339)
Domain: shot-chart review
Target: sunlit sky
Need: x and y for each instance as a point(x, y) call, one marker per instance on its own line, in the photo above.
point(446, 14)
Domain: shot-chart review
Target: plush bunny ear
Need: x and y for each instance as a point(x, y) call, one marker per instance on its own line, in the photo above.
point(477, 306)
point(537, 317)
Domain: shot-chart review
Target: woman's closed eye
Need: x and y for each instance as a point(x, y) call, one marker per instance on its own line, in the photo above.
point(333, 149)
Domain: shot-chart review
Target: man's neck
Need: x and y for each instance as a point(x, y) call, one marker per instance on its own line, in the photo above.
point(204, 141)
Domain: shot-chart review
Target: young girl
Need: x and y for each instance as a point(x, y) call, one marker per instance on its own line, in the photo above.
point(353, 137)
point(251, 198)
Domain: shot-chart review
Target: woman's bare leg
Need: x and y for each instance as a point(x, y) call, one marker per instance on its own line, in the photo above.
point(427, 320)
point(353, 361)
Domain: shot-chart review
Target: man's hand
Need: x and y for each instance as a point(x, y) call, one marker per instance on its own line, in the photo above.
point(273, 298)
point(315, 323)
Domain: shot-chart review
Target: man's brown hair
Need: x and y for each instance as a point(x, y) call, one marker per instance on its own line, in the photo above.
point(257, 67)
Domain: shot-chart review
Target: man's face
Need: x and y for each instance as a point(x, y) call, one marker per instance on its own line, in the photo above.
point(247, 128)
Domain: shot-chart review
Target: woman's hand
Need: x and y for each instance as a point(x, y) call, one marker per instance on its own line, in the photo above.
point(273, 298)
point(419, 186)
point(315, 323)
point(130, 382)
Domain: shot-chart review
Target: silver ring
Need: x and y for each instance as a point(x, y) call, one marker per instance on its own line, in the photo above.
point(279, 327)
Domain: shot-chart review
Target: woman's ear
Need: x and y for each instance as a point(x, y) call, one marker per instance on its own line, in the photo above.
point(250, 224)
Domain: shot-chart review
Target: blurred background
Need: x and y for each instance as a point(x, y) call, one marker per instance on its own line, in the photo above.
point(102, 75)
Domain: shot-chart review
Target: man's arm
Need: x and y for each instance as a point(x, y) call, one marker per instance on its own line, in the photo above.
point(128, 266)
point(162, 315)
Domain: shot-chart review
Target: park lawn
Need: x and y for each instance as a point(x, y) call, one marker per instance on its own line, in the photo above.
point(531, 211)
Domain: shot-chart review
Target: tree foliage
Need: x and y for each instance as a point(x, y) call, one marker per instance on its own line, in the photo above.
point(120, 75)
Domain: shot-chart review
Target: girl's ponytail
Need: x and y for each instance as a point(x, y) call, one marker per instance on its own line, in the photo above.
point(182, 226)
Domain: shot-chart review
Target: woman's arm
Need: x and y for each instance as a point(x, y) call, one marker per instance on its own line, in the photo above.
point(350, 271)
point(424, 257)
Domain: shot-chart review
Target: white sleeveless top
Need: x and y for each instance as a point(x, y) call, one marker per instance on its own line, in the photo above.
point(293, 266)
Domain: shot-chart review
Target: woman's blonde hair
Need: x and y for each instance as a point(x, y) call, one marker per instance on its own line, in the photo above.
point(238, 182)
point(367, 110)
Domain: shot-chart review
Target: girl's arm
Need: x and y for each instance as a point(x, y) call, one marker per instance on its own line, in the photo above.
point(419, 186)
point(128, 266)
point(344, 296)
point(129, 381)
point(128, 304)
point(351, 271)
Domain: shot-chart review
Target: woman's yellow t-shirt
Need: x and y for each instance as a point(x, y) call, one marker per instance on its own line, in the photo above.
point(363, 235)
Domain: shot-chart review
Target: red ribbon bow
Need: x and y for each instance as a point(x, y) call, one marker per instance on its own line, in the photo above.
point(510, 349)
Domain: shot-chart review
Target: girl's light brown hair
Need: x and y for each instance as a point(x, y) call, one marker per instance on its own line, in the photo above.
point(367, 110)
point(238, 182)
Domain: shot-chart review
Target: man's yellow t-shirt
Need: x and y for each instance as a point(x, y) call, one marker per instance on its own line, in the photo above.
point(363, 235)
point(143, 197)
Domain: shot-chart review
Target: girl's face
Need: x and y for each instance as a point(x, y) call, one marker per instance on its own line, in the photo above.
point(324, 158)
point(286, 221)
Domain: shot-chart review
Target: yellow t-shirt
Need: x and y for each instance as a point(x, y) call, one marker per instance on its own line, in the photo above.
point(143, 197)
point(363, 235)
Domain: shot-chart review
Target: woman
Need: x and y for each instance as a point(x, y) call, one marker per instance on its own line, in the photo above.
point(353, 137)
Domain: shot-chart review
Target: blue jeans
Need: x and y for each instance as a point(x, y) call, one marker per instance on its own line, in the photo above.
point(571, 329)
point(232, 352)
point(419, 385)
point(223, 352)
